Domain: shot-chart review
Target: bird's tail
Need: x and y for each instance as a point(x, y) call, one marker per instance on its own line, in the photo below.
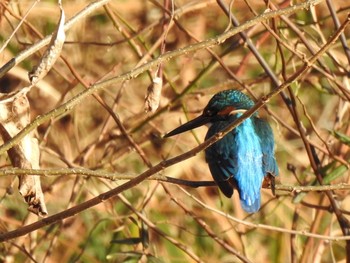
point(250, 206)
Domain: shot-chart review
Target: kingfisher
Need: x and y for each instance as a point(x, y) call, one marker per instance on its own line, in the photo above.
point(244, 157)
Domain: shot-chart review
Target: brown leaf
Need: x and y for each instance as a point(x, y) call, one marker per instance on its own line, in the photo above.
point(51, 54)
point(14, 116)
point(153, 95)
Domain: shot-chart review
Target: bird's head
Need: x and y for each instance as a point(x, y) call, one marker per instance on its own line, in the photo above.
point(221, 106)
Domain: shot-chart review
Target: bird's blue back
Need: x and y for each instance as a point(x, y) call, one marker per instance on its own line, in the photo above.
point(244, 156)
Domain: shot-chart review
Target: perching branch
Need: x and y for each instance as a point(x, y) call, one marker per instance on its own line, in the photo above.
point(158, 177)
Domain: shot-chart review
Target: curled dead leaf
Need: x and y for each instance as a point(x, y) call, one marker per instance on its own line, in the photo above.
point(153, 95)
point(51, 54)
point(14, 116)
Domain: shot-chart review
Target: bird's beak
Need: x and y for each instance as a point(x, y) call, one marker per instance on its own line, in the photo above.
point(199, 121)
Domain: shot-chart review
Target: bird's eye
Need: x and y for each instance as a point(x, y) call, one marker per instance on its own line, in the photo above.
point(208, 112)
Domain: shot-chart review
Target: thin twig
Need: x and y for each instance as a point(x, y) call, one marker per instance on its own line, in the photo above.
point(337, 25)
point(18, 26)
point(34, 48)
point(69, 105)
point(267, 227)
point(207, 228)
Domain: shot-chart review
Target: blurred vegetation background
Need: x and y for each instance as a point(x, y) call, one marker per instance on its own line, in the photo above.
point(162, 222)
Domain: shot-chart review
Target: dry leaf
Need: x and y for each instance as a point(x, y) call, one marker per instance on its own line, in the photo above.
point(14, 116)
point(52, 53)
point(153, 95)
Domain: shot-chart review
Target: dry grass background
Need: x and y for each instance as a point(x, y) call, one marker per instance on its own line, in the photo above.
point(162, 222)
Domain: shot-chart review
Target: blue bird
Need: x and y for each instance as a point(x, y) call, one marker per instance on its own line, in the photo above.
point(244, 157)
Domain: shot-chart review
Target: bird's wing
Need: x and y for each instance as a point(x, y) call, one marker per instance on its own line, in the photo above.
point(264, 131)
point(237, 158)
point(221, 160)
